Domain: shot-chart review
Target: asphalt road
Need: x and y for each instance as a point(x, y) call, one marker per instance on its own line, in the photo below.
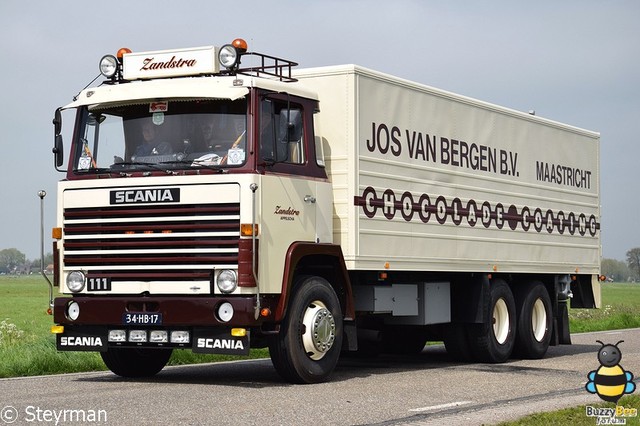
point(420, 390)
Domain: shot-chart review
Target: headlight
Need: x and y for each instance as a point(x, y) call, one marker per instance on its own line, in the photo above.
point(108, 66)
point(227, 281)
point(73, 311)
point(228, 56)
point(75, 281)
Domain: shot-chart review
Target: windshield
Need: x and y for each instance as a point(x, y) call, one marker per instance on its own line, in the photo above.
point(180, 134)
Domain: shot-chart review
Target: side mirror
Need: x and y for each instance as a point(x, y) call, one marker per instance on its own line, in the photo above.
point(57, 122)
point(58, 151)
point(58, 145)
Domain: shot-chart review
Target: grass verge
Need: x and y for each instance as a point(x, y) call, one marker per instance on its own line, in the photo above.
point(577, 416)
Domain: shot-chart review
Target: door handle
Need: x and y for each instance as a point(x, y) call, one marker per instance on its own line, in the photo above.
point(309, 199)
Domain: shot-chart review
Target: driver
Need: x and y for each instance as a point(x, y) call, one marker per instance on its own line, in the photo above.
point(151, 143)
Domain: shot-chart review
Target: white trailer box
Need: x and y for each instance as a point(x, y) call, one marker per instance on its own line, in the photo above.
point(427, 180)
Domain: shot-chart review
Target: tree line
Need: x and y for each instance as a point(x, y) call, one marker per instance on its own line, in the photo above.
point(13, 261)
point(619, 271)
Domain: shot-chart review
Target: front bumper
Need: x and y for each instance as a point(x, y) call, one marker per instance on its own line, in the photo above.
point(175, 311)
point(198, 317)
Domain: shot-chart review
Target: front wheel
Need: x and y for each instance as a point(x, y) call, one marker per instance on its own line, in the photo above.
point(134, 362)
point(307, 348)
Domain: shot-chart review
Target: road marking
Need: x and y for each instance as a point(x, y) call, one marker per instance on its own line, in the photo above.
point(441, 406)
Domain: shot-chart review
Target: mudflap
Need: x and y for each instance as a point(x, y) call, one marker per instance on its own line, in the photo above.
point(220, 341)
point(91, 339)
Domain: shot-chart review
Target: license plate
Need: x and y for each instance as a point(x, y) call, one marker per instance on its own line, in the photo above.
point(141, 318)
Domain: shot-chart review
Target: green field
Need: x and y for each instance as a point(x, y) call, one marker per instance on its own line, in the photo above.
point(620, 306)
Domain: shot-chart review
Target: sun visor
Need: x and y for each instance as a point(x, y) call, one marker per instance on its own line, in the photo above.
point(196, 88)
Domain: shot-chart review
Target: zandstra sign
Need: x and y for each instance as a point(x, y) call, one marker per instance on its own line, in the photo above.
point(170, 63)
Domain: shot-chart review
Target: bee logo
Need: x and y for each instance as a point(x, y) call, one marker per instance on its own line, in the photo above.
point(610, 381)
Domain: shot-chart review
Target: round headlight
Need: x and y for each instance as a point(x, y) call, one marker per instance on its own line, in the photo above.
point(227, 281)
point(225, 312)
point(228, 56)
point(73, 311)
point(108, 66)
point(75, 281)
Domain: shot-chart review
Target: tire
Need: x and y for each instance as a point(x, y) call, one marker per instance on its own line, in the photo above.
point(493, 340)
point(134, 362)
point(535, 321)
point(307, 348)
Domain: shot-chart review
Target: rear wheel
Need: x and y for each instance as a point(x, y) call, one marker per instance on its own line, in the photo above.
point(307, 348)
point(534, 321)
point(134, 362)
point(493, 340)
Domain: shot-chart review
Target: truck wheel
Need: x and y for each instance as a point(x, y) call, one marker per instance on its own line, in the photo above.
point(493, 340)
point(533, 335)
point(134, 362)
point(307, 348)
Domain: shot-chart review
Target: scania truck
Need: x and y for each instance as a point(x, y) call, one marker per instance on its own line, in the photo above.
point(218, 200)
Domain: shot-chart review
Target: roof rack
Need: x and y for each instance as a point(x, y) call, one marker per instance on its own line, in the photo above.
point(269, 66)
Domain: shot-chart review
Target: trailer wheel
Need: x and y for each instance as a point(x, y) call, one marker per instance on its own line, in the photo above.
point(493, 340)
point(307, 348)
point(534, 321)
point(134, 362)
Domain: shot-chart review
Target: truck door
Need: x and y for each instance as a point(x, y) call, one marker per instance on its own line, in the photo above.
point(289, 187)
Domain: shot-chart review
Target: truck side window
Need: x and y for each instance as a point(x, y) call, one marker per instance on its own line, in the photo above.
point(281, 132)
point(290, 135)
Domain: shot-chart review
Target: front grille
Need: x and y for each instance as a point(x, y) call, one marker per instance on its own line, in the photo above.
point(152, 243)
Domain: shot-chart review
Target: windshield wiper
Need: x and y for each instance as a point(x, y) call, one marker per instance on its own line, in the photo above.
point(196, 163)
point(96, 170)
point(152, 166)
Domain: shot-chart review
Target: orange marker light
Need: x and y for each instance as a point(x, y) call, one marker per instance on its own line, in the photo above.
point(247, 229)
point(240, 44)
point(122, 51)
point(56, 233)
point(265, 312)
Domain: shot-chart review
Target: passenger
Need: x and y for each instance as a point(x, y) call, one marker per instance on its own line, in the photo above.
point(211, 139)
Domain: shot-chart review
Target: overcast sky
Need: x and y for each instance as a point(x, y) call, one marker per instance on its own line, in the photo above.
point(577, 62)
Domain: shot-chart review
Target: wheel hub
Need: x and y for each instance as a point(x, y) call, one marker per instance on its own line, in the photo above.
point(539, 320)
point(500, 321)
point(319, 330)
